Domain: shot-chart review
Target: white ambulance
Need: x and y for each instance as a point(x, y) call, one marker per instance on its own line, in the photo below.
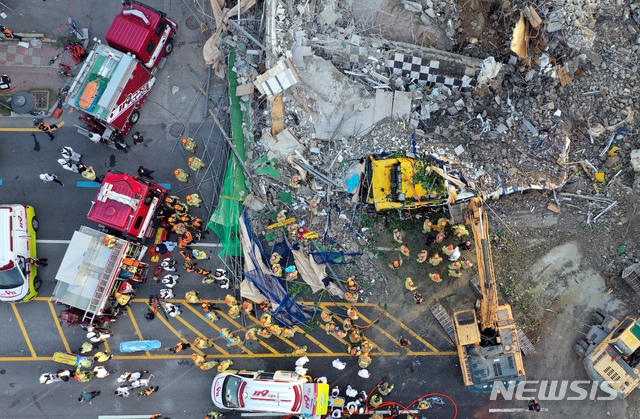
point(279, 392)
point(18, 225)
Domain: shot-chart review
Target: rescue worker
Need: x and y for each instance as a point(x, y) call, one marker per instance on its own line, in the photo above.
point(180, 208)
point(427, 226)
point(397, 236)
point(200, 255)
point(102, 356)
point(168, 264)
point(196, 164)
point(435, 260)
point(441, 225)
point(423, 405)
point(9, 34)
point(172, 309)
point(466, 245)
point(295, 182)
point(180, 228)
point(208, 365)
point(189, 145)
point(202, 343)
point(197, 359)
point(375, 401)
point(194, 200)
point(353, 314)
point(234, 340)
point(208, 306)
point(247, 307)
point(251, 334)
point(265, 333)
point(289, 332)
point(186, 254)
point(440, 237)
point(448, 250)
point(69, 154)
point(466, 264)
point(364, 360)
point(277, 270)
point(208, 279)
point(46, 128)
point(189, 266)
point(166, 294)
point(173, 220)
point(84, 376)
point(408, 283)
point(234, 312)
point(181, 175)
point(291, 273)
point(179, 347)
point(313, 206)
point(385, 388)
point(535, 406)
point(396, 263)
point(417, 297)
point(202, 271)
point(224, 365)
point(435, 277)
point(170, 280)
point(86, 348)
point(148, 391)
point(214, 415)
point(457, 273)
point(455, 266)
point(422, 256)
point(355, 336)
point(212, 317)
point(170, 201)
point(460, 230)
point(299, 350)
point(192, 297)
point(405, 250)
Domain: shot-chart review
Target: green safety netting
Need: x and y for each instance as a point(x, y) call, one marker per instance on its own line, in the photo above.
point(225, 220)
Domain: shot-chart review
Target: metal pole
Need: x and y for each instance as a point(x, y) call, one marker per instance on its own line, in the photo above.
point(206, 102)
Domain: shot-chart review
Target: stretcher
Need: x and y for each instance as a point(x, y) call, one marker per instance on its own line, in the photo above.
point(73, 359)
point(139, 345)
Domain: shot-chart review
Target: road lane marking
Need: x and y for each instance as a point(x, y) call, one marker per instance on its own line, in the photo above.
point(166, 323)
point(210, 324)
point(59, 124)
point(55, 316)
point(24, 331)
point(200, 334)
point(415, 335)
point(135, 326)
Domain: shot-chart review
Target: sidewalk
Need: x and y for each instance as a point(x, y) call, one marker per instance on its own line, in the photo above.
point(30, 69)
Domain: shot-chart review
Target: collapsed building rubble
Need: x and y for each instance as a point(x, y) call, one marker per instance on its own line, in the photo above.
point(331, 88)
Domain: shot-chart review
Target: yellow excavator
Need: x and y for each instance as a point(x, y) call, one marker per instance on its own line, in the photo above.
point(488, 349)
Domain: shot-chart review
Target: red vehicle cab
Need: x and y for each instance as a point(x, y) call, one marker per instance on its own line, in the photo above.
point(144, 31)
point(280, 392)
point(127, 204)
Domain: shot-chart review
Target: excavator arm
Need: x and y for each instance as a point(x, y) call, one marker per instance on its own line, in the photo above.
point(479, 223)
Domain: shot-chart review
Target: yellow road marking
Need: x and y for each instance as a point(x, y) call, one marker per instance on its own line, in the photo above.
point(265, 355)
point(314, 340)
point(24, 331)
point(55, 316)
point(106, 346)
point(210, 324)
point(166, 323)
point(260, 340)
point(30, 129)
point(415, 335)
point(135, 326)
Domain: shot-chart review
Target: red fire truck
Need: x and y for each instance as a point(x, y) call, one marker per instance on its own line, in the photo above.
point(128, 205)
point(115, 79)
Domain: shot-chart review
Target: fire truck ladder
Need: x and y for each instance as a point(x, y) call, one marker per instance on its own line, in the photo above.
point(103, 283)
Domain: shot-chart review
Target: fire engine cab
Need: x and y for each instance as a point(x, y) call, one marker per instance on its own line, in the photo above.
point(127, 204)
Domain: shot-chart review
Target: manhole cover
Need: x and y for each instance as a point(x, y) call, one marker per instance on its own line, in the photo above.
point(42, 99)
point(175, 129)
point(192, 23)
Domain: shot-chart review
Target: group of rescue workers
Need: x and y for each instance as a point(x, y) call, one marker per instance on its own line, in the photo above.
point(436, 235)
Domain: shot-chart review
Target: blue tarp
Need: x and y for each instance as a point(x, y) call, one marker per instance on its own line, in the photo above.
point(289, 313)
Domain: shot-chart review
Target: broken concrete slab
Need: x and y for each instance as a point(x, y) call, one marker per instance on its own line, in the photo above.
point(329, 16)
point(245, 89)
